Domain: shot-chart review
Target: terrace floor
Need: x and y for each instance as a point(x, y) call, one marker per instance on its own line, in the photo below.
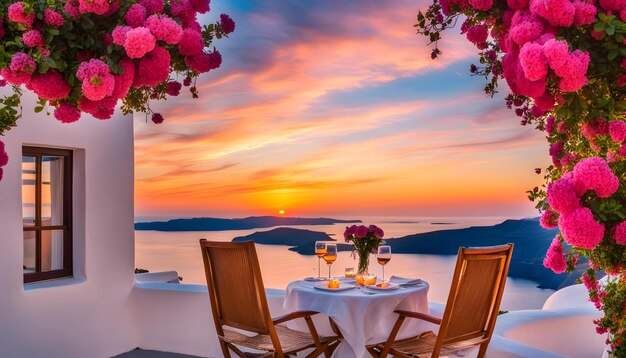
point(140, 353)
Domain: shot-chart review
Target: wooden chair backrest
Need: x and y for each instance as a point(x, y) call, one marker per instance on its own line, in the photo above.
point(475, 294)
point(235, 286)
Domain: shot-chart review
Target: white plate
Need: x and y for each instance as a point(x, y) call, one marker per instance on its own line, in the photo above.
point(390, 286)
point(342, 287)
point(315, 279)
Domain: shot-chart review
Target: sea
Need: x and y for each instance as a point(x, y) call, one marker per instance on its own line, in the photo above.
point(179, 251)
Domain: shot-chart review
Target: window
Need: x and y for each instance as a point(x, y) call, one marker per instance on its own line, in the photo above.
point(47, 213)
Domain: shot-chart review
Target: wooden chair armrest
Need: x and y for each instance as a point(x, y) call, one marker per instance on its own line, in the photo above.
point(422, 316)
point(293, 315)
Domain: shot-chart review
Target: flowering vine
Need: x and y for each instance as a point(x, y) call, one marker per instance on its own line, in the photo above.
point(564, 62)
point(86, 56)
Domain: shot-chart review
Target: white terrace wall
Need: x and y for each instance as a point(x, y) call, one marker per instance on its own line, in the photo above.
point(87, 315)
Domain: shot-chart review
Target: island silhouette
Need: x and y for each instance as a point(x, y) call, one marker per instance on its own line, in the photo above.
point(219, 224)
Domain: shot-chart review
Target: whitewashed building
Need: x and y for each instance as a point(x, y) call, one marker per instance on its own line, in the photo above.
point(67, 283)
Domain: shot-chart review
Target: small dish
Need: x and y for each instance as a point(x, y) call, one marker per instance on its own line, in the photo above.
point(378, 286)
point(342, 287)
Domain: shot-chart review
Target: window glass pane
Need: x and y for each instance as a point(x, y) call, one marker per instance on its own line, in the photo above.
point(29, 251)
point(51, 250)
point(28, 190)
point(52, 191)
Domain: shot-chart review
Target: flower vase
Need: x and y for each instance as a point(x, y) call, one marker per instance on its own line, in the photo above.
point(364, 263)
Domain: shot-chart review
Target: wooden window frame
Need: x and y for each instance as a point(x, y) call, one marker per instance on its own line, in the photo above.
point(38, 228)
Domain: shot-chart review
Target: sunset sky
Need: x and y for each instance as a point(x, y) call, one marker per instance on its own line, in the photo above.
point(335, 108)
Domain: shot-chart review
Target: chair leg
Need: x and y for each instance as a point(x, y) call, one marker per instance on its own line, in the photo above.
point(225, 349)
point(483, 349)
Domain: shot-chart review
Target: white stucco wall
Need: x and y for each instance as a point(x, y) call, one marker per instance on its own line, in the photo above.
point(88, 315)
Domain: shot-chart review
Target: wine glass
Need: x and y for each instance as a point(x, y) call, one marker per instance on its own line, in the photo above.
point(320, 251)
point(330, 256)
point(383, 256)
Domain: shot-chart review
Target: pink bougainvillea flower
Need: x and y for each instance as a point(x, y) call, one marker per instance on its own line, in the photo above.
point(517, 4)
point(53, 18)
point(525, 27)
point(138, 42)
point(32, 38)
point(227, 24)
point(562, 195)
point(580, 228)
point(568, 159)
point(559, 13)
point(477, 34)
point(183, 10)
point(549, 219)
point(102, 109)
point(98, 82)
point(555, 259)
point(71, 8)
point(119, 34)
point(165, 29)
point(20, 69)
point(556, 52)
point(50, 85)
point(585, 13)
point(595, 174)
point(613, 5)
point(481, 4)
point(66, 113)
point(99, 7)
point(153, 68)
point(617, 130)
point(4, 158)
point(157, 118)
point(136, 15)
point(20, 12)
point(619, 232)
point(533, 62)
point(173, 88)
point(190, 43)
point(152, 6)
point(200, 6)
point(124, 80)
point(555, 151)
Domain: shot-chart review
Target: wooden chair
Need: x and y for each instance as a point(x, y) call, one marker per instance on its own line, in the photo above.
point(238, 300)
point(470, 314)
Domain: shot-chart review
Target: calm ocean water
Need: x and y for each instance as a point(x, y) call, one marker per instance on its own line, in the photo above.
point(179, 251)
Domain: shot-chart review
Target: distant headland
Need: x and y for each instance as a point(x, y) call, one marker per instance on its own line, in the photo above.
point(218, 224)
point(531, 243)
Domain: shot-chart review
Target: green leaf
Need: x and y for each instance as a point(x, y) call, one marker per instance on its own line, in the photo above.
point(610, 30)
point(612, 54)
point(38, 109)
point(619, 37)
point(599, 26)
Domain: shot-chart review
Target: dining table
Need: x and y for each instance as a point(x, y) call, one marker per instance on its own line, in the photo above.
point(363, 315)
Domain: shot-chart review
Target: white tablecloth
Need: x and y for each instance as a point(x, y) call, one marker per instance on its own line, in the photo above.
point(362, 318)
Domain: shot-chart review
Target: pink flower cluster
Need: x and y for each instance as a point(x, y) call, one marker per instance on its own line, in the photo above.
point(362, 231)
point(555, 258)
point(151, 40)
point(98, 82)
point(21, 13)
point(577, 223)
point(617, 130)
point(619, 233)
point(50, 85)
point(549, 219)
point(4, 158)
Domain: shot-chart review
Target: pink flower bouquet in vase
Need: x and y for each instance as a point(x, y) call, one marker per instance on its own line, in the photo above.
point(366, 240)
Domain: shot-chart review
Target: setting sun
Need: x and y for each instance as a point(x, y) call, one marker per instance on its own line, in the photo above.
point(281, 212)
